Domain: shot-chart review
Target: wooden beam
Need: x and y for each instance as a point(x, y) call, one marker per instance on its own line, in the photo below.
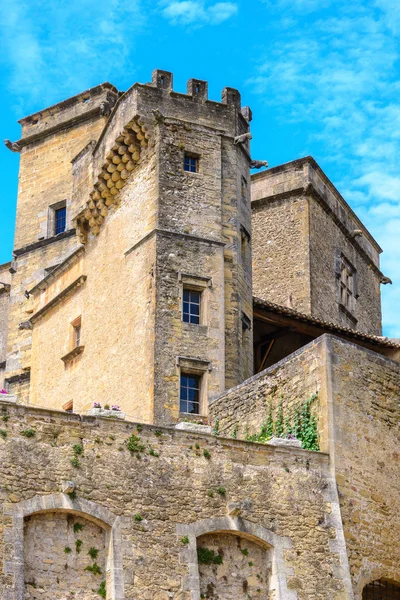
point(267, 353)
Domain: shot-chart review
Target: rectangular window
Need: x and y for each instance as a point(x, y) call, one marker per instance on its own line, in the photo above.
point(76, 332)
point(191, 307)
point(190, 394)
point(191, 163)
point(347, 286)
point(60, 219)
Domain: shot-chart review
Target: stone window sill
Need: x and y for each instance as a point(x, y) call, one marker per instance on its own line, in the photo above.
point(72, 354)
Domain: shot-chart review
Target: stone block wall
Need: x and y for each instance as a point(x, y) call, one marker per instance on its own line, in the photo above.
point(5, 280)
point(172, 492)
point(302, 230)
point(366, 435)
point(325, 292)
point(242, 410)
point(281, 261)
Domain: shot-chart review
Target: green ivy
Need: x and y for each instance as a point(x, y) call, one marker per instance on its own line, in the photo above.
point(102, 590)
point(208, 557)
point(302, 425)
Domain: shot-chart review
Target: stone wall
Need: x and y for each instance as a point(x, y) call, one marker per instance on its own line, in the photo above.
point(45, 178)
point(242, 410)
point(366, 432)
point(302, 229)
point(57, 547)
point(325, 293)
point(5, 279)
point(167, 229)
point(158, 502)
point(281, 262)
point(116, 303)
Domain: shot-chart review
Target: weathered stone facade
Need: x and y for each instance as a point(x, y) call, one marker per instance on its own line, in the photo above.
point(139, 503)
point(164, 505)
point(302, 229)
point(357, 409)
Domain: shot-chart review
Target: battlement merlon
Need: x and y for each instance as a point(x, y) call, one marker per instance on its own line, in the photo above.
point(192, 107)
point(305, 176)
point(103, 99)
point(142, 107)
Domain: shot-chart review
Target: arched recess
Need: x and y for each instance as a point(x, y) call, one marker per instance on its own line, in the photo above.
point(265, 539)
point(61, 503)
point(381, 589)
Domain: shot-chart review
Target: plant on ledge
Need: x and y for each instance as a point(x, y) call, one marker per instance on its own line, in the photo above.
point(301, 425)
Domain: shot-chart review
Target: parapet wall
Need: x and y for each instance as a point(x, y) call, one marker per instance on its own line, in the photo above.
point(153, 506)
point(365, 434)
point(289, 383)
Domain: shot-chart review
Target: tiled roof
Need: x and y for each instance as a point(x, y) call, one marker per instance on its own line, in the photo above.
point(298, 316)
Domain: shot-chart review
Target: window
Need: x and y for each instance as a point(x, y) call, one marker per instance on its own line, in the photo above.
point(76, 332)
point(60, 220)
point(191, 307)
point(190, 394)
point(191, 163)
point(57, 218)
point(347, 285)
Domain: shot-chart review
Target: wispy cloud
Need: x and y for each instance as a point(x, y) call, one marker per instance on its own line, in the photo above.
point(188, 12)
point(54, 51)
point(339, 76)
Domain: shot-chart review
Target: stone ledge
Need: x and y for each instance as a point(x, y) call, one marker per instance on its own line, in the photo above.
point(66, 292)
point(284, 442)
point(102, 412)
point(195, 427)
point(72, 354)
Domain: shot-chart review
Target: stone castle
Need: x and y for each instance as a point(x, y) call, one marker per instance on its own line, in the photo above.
point(164, 311)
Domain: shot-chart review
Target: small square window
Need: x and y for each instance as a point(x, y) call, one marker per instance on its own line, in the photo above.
point(191, 163)
point(60, 220)
point(190, 394)
point(191, 307)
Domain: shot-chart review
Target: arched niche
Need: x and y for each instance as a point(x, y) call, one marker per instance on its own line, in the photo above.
point(239, 542)
point(381, 589)
point(233, 566)
point(45, 525)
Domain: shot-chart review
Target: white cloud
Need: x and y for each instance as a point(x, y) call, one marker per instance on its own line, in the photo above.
point(54, 51)
point(187, 12)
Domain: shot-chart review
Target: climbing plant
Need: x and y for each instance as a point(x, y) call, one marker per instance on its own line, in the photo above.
point(301, 425)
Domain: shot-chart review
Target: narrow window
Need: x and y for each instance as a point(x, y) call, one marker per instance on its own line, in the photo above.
point(191, 163)
point(244, 189)
point(347, 286)
point(76, 332)
point(190, 394)
point(60, 220)
point(191, 307)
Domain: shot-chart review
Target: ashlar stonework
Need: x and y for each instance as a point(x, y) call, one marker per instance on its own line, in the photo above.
point(198, 399)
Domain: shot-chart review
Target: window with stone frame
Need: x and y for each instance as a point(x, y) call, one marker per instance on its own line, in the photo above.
point(190, 393)
point(57, 219)
point(191, 306)
point(76, 332)
point(347, 285)
point(190, 163)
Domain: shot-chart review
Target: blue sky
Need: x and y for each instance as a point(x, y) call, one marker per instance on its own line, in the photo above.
point(321, 76)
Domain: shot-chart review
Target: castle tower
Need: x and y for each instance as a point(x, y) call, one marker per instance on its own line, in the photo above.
point(310, 251)
point(148, 305)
